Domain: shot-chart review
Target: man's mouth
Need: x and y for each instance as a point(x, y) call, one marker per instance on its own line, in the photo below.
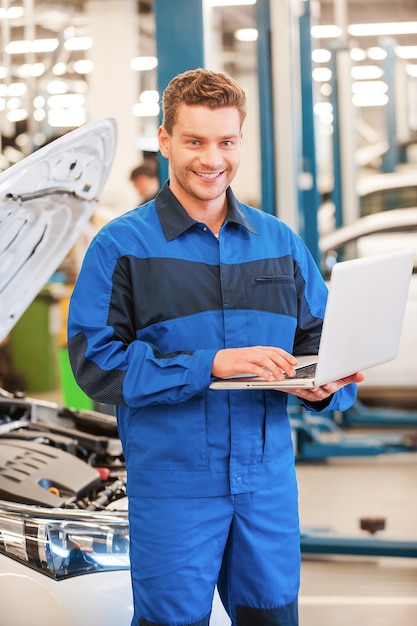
point(209, 176)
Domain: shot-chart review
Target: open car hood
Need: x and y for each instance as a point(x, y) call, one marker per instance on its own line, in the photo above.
point(45, 201)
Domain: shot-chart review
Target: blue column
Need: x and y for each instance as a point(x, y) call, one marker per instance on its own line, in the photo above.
point(179, 44)
point(337, 172)
point(263, 22)
point(309, 196)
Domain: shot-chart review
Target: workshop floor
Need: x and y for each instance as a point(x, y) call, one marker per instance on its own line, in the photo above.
point(360, 591)
point(351, 590)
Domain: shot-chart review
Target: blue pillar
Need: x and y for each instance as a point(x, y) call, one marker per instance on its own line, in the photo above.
point(179, 44)
point(263, 22)
point(309, 196)
point(337, 168)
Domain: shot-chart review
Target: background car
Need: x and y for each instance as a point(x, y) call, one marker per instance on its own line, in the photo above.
point(395, 382)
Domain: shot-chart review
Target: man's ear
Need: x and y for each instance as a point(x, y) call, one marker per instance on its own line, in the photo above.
point(163, 139)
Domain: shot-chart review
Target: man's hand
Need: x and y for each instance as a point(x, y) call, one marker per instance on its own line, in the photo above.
point(317, 394)
point(264, 361)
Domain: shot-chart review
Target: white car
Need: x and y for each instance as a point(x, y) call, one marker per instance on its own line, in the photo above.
point(394, 382)
point(376, 193)
point(64, 535)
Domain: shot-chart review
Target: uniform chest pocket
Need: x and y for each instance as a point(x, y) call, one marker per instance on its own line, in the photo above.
point(274, 279)
point(275, 293)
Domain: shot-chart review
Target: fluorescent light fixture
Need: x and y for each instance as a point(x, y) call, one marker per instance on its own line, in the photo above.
point(406, 52)
point(67, 100)
point(377, 100)
point(78, 43)
point(11, 13)
point(39, 115)
point(16, 89)
point(143, 64)
point(39, 102)
point(38, 45)
point(150, 96)
point(3, 72)
point(57, 87)
point(321, 55)
point(67, 118)
point(357, 54)
point(388, 28)
point(31, 69)
point(326, 32)
point(364, 87)
point(229, 3)
point(322, 74)
point(83, 67)
point(14, 103)
point(366, 72)
point(17, 115)
point(59, 68)
point(377, 53)
point(146, 109)
point(246, 34)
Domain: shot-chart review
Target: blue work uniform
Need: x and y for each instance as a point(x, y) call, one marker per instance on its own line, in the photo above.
point(210, 474)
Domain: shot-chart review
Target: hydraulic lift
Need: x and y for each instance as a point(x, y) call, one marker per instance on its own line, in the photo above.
point(318, 437)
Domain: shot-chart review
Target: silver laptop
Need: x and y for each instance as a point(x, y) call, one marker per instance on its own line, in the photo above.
point(361, 328)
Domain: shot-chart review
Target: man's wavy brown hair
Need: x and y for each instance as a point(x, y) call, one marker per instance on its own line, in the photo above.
point(201, 87)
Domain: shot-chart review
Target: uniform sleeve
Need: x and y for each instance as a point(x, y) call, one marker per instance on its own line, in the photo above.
point(111, 369)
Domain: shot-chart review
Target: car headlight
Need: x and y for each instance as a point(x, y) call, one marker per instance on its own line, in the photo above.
point(62, 544)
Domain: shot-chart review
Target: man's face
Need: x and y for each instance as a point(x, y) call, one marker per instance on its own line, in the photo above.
point(203, 150)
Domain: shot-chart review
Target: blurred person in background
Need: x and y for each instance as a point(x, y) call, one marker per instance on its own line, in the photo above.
point(145, 179)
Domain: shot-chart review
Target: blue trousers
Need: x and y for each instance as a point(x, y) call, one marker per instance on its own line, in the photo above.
point(247, 544)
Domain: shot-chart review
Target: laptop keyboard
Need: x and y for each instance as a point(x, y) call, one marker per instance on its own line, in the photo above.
point(308, 371)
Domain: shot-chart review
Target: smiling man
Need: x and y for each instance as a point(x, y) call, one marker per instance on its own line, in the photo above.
point(191, 286)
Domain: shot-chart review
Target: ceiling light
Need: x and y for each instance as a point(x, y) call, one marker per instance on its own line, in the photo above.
point(322, 74)
point(364, 87)
point(142, 64)
point(411, 70)
point(11, 13)
point(67, 100)
point(4, 72)
point(406, 52)
point(79, 43)
point(146, 109)
point(326, 32)
point(59, 68)
point(149, 96)
point(377, 53)
point(39, 115)
point(366, 72)
point(66, 118)
point(83, 67)
point(246, 34)
point(357, 54)
point(389, 28)
point(321, 55)
point(16, 89)
point(17, 115)
point(31, 69)
point(377, 100)
point(38, 45)
point(55, 87)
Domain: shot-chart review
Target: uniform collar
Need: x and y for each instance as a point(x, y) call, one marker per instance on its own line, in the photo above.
point(175, 220)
